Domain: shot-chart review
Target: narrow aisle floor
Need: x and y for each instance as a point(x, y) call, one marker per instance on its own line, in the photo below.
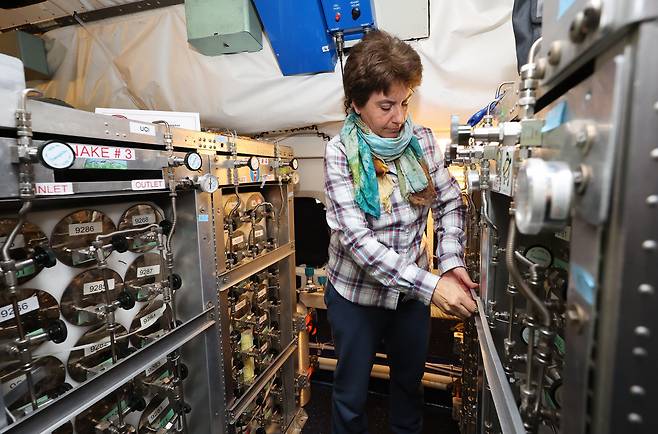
point(438, 419)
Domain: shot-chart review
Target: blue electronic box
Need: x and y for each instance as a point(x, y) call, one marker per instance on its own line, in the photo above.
point(303, 39)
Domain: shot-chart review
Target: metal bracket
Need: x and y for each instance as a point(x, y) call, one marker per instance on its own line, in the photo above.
point(83, 396)
point(501, 392)
point(241, 404)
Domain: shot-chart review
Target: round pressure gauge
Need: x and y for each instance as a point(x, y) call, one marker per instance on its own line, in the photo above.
point(294, 164)
point(539, 255)
point(56, 155)
point(193, 161)
point(253, 163)
point(543, 194)
point(208, 183)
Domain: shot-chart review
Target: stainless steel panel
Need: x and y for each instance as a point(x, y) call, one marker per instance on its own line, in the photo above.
point(616, 18)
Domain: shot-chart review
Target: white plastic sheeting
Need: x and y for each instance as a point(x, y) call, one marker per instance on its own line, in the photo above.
point(144, 61)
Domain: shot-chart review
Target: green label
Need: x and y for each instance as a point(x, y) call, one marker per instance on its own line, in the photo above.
point(26, 271)
point(94, 163)
point(560, 344)
point(165, 420)
point(114, 411)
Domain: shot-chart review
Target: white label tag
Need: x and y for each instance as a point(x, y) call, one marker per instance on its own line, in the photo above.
point(158, 410)
point(240, 305)
point(148, 271)
point(53, 188)
point(11, 384)
point(565, 234)
point(85, 228)
point(148, 320)
point(238, 240)
point(24, 306)
point(104, 343)
point(262, 293)
point(146, 129)
point(103, 152)
point(147, 184)
point(143, 219)
point(262, 319)
point(96, 287)
point(154, 367)
point(19, 241)
point(258, 233)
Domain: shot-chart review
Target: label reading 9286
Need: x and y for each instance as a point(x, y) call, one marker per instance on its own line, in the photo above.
point(77, 229)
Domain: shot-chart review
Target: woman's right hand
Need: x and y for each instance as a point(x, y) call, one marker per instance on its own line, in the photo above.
point(452, 295)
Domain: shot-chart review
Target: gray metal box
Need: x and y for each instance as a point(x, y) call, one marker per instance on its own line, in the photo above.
point(30, 49)
point(223, 26)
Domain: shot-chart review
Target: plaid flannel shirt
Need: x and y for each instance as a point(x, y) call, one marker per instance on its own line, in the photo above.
point(372, 261)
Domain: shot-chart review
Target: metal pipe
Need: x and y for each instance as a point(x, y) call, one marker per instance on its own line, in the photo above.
point(127, 231)
point(514, 272)
point(533, 50)
point(433, 381)
point(27, 205)
point(500, 87)
point(486, 195)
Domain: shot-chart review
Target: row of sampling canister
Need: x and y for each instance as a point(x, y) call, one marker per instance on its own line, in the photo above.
point(245, 226)
point(254, 327)
point(83, 300)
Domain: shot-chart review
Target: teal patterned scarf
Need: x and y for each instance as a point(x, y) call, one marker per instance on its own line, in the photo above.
point(361, 144)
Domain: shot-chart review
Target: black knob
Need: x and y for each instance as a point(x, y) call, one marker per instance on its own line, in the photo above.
point(61, 390)
point(176, 281)
point(356, 13)
point(126, 300)
point(184, 372)
point(119, 243)
point(45, 257)
point(187, 408)
point(260, 430)
point(57, 331)
point(166, 226)
point(137, 403)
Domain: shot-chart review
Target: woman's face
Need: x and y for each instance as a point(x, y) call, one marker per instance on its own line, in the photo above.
point(385, 113)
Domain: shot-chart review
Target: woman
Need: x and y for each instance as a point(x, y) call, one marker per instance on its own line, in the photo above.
point(382, 176)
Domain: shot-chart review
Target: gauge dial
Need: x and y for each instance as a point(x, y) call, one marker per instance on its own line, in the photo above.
point(253, 163)
point(208, 183)
point(56, 155)
point(193, 161)
point(539, 255)
point(294, 164)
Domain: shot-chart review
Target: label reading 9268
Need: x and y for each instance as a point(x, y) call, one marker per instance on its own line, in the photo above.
point(143, 219)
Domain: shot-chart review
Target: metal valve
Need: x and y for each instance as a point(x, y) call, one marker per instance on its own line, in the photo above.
point(126, 301)
point(57, 331)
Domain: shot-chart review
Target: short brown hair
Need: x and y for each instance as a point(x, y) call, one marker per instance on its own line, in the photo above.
point(375, 63)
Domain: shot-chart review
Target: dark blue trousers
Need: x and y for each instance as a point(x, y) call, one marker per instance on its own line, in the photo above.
point(357, 331)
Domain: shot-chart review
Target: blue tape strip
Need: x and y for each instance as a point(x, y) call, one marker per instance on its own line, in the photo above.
point(563, 6)
point(584, 282)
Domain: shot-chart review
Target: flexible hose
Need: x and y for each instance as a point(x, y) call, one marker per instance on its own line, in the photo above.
point(521, 284)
